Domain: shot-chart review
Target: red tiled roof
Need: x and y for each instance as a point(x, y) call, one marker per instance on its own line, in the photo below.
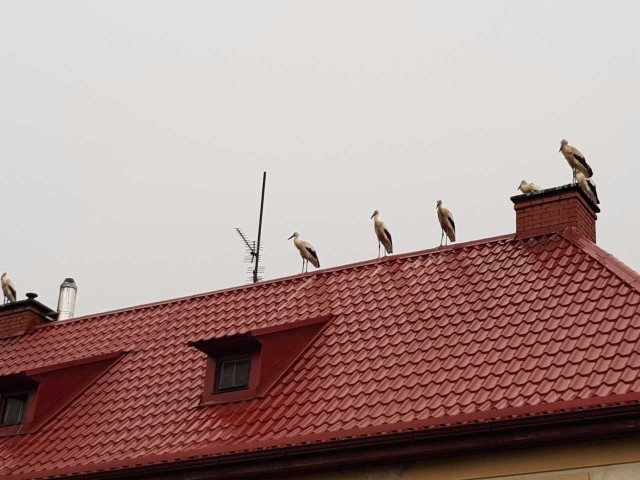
point(474, 332)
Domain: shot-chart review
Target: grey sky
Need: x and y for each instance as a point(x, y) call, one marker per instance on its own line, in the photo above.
point(133, 134)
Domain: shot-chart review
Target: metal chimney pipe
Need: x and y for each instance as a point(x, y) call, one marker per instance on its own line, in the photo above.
point(67, 299)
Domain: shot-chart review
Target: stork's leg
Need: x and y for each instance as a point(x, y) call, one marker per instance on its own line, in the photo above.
point(378, 249)
point(302, 264)
point(441, 237)
point(307, 264)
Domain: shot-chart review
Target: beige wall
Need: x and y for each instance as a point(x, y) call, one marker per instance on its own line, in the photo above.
point(612, 460)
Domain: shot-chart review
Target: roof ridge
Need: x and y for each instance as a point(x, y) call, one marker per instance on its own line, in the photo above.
point(604, 258)
point(299, 276)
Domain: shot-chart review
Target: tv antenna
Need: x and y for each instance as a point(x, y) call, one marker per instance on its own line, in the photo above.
point(254, 247)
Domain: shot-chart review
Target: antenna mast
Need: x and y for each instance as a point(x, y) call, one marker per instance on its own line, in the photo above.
point(255, 247)
point(259, 245)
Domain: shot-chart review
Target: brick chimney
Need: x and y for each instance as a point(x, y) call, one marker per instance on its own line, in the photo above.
point(18, 317)
point(554, 210)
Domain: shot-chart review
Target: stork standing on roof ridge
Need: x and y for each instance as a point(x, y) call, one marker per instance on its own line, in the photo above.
point(575, 159)
point(383, 234)
point(526, 187)
point(8, 289)
point(588, 185)
point(307, 251)
point(445, 217)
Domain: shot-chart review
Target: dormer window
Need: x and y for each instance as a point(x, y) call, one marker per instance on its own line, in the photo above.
point(232, 373)
point(246, 365)
point(13, 409)
point(30, 398)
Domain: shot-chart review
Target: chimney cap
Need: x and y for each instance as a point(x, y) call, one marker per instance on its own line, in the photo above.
point(554, 192)
point(30, 302)
point(69, 283)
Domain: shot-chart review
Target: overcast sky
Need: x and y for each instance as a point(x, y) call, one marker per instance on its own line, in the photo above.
point(134, 134)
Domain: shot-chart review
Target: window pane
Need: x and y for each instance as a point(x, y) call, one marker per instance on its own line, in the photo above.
point(14, 409)
point(226, 375)
point(241, 376)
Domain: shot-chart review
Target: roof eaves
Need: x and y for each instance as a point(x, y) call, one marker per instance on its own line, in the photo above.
point(548, 415)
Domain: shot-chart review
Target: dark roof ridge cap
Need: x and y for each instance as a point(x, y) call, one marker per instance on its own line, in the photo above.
point(306, 276)
point(604, 258)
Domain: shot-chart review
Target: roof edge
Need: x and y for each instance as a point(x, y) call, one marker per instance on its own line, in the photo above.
point(604, 258)
point(619, 417)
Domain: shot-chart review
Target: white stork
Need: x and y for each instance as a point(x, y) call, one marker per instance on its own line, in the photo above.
point(588, 185)
point(526, 187)
point(446, 223)
point(575, 159)
point(307, 252)
point(382, 232)
point(8, 289)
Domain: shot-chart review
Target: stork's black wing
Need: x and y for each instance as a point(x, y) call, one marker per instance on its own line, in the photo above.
point(453, 224)
point(314, 255)
point(584, 163)
point(593, 189)
point(388, 234)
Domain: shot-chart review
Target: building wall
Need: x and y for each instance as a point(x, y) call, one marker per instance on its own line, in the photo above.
point(612, 460)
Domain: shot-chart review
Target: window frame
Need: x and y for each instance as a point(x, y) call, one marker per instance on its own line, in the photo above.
point(24, 396)
point(29, 392)
point(211, 395)
point(218, 374)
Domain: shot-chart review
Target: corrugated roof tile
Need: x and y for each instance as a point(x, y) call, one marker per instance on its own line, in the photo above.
point(464, 329)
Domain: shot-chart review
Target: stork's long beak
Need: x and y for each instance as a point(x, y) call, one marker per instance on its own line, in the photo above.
point(291, 236)
point(560, 149)
point(373, 215)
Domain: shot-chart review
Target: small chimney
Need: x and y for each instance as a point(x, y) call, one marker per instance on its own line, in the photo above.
point(67, 299)
point(19, 317)
point(554, 210)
